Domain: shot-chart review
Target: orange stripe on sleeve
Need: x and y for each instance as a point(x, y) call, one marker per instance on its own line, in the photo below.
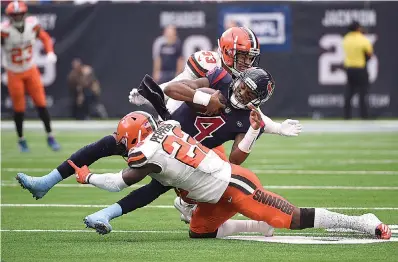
point(219, 77)
point(5, 35)
point(136, 158)
point(195, 67)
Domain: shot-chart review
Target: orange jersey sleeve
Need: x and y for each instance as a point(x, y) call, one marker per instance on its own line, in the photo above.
point(45, 38)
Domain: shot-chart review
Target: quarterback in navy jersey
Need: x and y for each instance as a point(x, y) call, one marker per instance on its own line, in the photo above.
point(213, 131)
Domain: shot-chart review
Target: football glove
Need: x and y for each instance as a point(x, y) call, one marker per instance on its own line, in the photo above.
point(51, 57)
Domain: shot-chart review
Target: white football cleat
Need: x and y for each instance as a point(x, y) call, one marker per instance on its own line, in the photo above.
point(185, 209)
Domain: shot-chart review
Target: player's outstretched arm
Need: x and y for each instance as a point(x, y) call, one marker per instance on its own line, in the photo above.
point(113, 182)
point(289, 127)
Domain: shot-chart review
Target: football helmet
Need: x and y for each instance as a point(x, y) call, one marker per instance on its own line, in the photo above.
point(134, 128)
point(17, 11)
point(239, 49)
point(253, 86)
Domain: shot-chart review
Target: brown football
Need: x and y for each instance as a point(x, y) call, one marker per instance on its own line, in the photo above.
point(202, 109)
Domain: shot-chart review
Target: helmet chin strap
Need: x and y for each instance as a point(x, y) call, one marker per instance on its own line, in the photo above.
point(235, 103)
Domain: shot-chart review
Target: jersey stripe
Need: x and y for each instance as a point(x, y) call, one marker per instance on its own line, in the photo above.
point(136, 159)
point(219, 77)
point(5, 35)
point(196, 68)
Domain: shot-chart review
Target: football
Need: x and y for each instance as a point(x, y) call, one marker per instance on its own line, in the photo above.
point(200, 108)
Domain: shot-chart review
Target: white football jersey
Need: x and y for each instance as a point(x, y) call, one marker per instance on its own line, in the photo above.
point(197, 66)
point(18, 47)
point(185, 163)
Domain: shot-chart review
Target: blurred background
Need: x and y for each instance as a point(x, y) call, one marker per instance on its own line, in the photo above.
point(117, 42)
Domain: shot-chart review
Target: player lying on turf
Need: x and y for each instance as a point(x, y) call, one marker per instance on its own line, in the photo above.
point(222, 189)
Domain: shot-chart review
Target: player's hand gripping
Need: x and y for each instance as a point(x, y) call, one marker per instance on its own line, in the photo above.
point(82, 173)
point(290, 127)
point(215, 104)
point(136, 99)
point(255, 118)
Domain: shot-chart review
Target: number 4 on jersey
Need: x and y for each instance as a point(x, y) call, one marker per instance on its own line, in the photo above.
point(207, 126)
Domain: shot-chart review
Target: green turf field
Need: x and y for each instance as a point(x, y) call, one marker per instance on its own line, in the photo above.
point(352, 173)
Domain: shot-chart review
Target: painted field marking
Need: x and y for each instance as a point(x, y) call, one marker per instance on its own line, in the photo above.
point(285, 238)
point(262, 171)
point(11, 183)
point(171, 207)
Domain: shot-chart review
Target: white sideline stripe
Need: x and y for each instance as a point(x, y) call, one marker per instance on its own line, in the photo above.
point(324, 172)
point(169, 206)
point(158, 231)
point(74, 205)
point(262, 171)
point(309, 126)
point(9, 183)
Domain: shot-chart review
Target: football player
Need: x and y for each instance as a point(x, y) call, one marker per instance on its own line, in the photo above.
point(18, 36)
point(238, 49)
point(222, 189)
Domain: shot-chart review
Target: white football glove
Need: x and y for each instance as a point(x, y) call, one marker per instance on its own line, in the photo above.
point(290, 127)
point(136, 99)
point(51, 58)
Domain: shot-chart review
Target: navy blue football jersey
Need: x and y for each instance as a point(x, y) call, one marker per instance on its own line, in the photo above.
point(213, 131)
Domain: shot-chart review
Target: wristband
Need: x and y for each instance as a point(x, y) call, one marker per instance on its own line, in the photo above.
point(248, 141)
point(201, 98)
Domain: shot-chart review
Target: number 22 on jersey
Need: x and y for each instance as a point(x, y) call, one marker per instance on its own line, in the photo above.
point(184, 148)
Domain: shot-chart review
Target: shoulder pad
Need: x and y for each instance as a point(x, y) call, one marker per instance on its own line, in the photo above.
point(218, 75)
point(5, 27)
point(32, 20)
point(203, 61)
point(136, 158)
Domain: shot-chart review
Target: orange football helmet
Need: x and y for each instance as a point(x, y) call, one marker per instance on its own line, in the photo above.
point(239, 49)
point(134, 128)
point(16, 11)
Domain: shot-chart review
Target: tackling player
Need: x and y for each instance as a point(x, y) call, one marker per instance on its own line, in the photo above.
point(17, 38)
point(175, 159)
point(238, 49)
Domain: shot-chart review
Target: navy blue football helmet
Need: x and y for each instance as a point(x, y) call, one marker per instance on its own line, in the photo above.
point(253, 86)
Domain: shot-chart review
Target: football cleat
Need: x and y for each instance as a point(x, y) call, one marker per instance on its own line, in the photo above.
point(36, 185)
point(268, 230)
point(383, 232)
point(23, 146)
point(185, 209)
point(53, 144)
point(100, 224)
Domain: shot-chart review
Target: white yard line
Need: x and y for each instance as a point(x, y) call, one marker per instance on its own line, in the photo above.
point(165, 232)
point(261, 171)
point(11, 183)
point(309, 126)
point(171, 207)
